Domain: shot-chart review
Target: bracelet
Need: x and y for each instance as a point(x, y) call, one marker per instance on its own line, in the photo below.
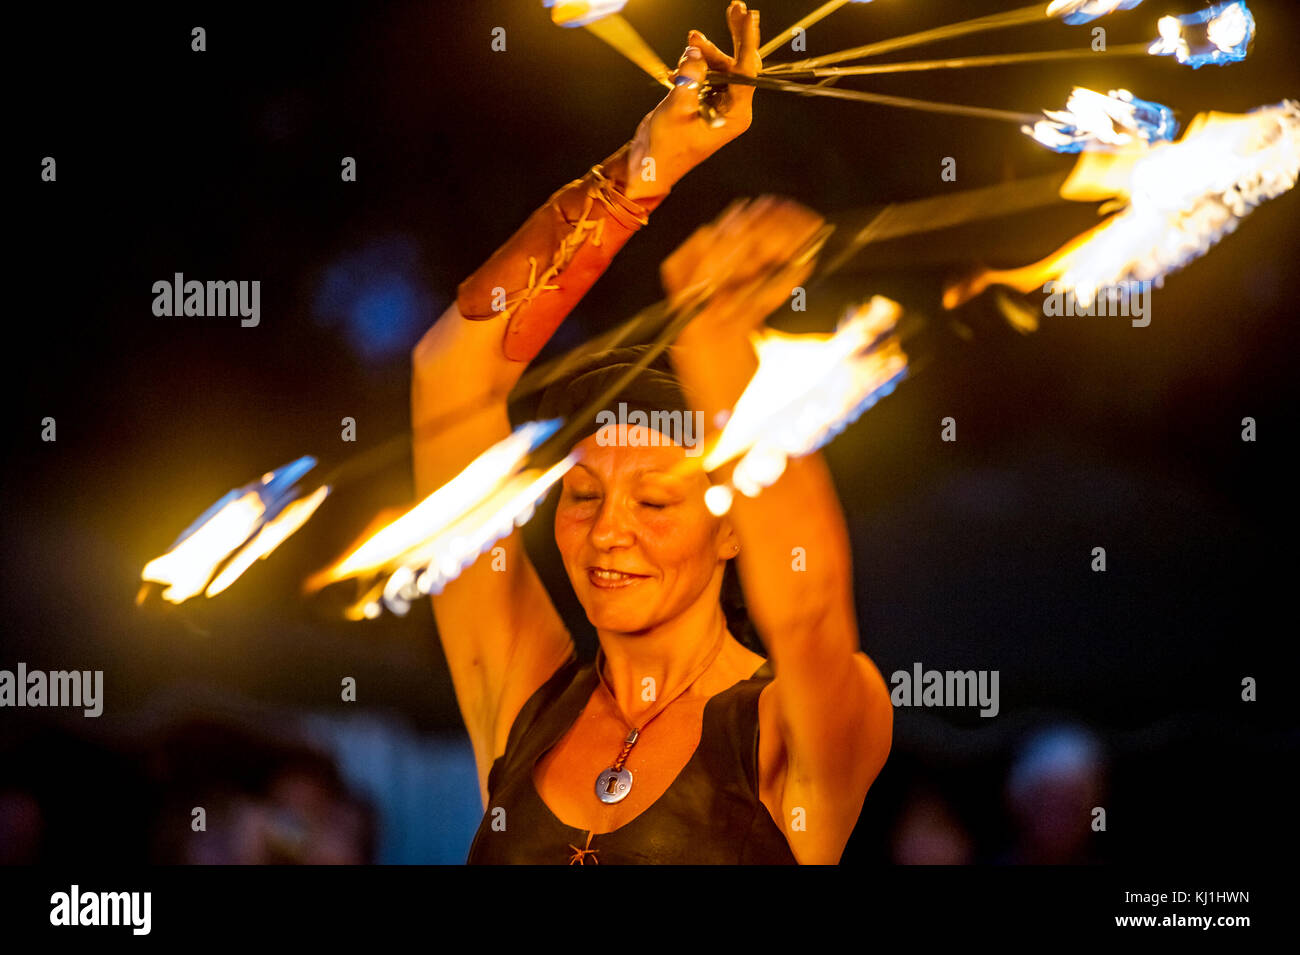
point(608, 192)
point(620, 209)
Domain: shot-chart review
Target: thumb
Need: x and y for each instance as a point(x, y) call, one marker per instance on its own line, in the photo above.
point(691, 70)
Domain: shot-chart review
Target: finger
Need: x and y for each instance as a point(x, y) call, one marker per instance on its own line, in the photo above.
point(736, 14)
point(738, 258)
point(694, 248)
point(680, 259)
point(714, 57)
point(737, 209)
point(786, 236)
point(743, 24)
point(773, 232)
point(747, 59)
point(714, 250)
point(690, 73)
point(794, 219)
point(692, 62)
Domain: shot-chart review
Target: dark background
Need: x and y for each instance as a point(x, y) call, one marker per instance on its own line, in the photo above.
point(968, 555)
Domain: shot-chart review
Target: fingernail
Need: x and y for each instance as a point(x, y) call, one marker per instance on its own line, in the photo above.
point(694, 52)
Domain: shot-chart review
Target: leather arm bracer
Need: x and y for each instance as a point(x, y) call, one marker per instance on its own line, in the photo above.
point(536, 278)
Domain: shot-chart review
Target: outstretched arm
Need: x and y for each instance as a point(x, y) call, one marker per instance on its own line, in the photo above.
point(829, 699)
point(501, 634)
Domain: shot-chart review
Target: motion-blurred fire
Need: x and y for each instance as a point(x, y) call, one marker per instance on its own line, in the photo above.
point(1075, 12)
point(1093, 121)
point(246, 524)
point(428, 546)
point(1177, 201)
point(806, 390)
point(581, 13)
point(1210, 37)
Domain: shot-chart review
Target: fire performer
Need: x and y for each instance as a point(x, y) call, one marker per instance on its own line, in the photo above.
point(678, 744)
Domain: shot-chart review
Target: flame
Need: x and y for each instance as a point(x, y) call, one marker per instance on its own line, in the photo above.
point(1228, 31)
point(602, 18)
point(444, 505)
point(581, 13)
point(1178, 201)
point(432, 543)
point(806, 390)
point(1091, 120)
point(257, 517)
point(1075, 12)
point(188, 566)
point(272, 535)
point(428, 568)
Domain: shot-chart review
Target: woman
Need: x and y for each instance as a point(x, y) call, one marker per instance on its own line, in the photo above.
point(678, 744)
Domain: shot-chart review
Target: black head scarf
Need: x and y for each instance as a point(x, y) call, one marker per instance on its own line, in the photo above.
point(655, 388)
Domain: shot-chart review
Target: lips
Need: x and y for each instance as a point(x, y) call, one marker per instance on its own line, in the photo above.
point(606, 579)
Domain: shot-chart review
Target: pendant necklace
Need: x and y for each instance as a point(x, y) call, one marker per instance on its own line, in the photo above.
point(615, 783)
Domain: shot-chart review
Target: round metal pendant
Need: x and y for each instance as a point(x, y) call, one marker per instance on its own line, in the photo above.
point(613, 784)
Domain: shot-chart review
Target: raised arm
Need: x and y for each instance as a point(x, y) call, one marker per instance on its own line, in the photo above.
point(500, 633)
point(828, 697)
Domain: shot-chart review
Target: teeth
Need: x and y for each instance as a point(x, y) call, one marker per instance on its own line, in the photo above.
point(610, 575)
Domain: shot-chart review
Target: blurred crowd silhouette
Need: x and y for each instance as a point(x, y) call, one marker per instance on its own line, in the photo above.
point(218, 787)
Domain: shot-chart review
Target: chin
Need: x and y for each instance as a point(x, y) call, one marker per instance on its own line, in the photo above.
point(619, 621)
point(625, 609)
point(618, 615)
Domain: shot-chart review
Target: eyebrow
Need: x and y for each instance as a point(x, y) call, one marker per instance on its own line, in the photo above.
point(638, 473)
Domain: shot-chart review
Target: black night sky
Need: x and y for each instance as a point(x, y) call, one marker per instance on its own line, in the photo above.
point(967, 555)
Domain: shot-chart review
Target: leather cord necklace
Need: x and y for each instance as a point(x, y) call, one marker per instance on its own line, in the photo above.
point(615, 783)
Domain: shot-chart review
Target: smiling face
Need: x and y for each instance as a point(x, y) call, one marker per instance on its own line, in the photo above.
point(639, 545)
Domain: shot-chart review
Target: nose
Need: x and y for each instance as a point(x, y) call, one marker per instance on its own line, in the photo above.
point(612, 528)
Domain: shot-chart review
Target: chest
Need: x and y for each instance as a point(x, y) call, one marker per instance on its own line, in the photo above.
point(565, 776)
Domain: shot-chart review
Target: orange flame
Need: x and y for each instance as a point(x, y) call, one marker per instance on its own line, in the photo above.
point(433, 542)
point(806, 389)
point(237, 524)
point(581, 13)
point(272, 535)
point(1176, 201)
point(188, 567)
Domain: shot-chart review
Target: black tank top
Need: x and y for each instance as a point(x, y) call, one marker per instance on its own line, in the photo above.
point(711, 814)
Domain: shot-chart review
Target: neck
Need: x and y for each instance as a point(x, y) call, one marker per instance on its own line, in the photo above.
point(667, 654)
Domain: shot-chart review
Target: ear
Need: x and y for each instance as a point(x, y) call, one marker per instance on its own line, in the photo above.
point(728, 541)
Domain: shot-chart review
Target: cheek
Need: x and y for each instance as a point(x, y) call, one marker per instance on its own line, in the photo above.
point(681, 541)
point(571, 527)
